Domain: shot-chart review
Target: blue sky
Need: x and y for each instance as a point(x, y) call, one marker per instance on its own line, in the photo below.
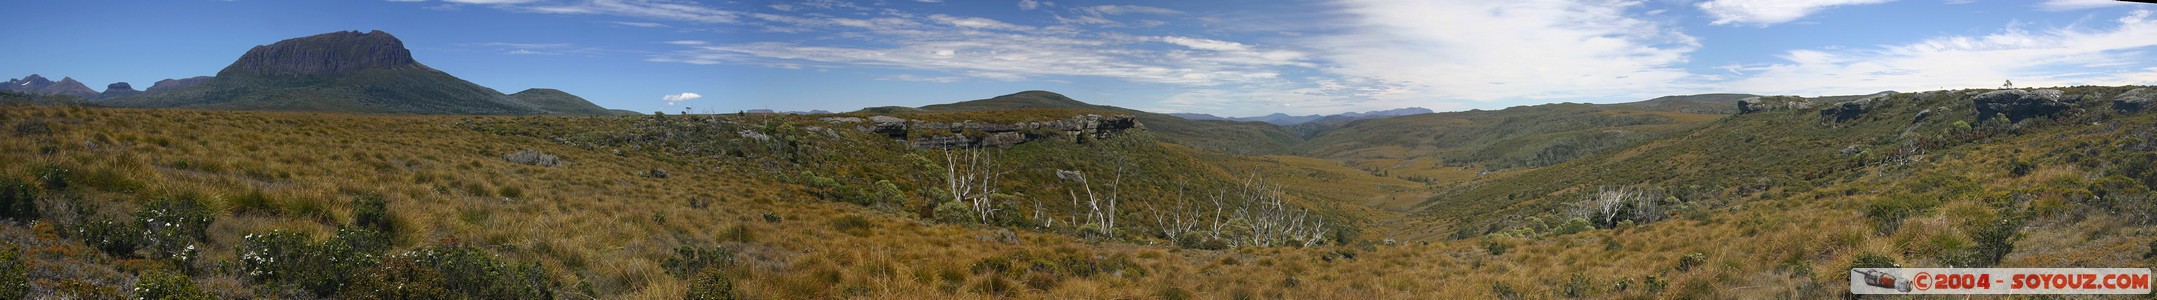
point(1231, 58)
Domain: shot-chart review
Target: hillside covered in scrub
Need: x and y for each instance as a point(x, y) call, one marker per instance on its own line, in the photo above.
point(1001, 198)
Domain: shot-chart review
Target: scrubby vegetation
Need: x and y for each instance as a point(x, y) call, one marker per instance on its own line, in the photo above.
point(120, 203)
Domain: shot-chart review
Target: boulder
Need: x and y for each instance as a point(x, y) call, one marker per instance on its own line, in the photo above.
point(2134, 101)
point(1850, 110)
point(2021, 104)
point(1760, 104)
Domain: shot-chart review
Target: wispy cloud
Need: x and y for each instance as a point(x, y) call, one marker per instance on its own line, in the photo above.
point(2064, 5)
point(2104, 54)
point(641, 24)
point(673, 99)
point(536, 48)
point(991, 49)
point(649, 9)
point(1506, 50)
point(1770, 12)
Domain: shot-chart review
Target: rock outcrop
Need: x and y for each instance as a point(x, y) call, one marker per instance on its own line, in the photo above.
point(118, 89)
point(174, 84)
point(1851, 110)
point(969, 134)
point(1760, 104)
point(2134, 101)
point(328, 54)
point(2021, 104)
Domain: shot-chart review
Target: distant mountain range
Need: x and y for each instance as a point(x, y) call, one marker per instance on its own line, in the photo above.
point(347, 71)
point(1286, 119)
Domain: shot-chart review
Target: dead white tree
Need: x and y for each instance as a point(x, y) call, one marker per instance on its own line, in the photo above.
point(1610, 205)
point(971, 176)
point(1177, 219)
point(1272, 221)
point(1105, 219)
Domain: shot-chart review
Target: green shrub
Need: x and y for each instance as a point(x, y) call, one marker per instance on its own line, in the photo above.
point(14, 272)
point(688, 261)
point(172, 226)
point(113, 238)
point(711, 285)
point(1887, 214)
point(1691, 260)
point(371, 212)
point(159, 284)
point(18, 200)
point(397, 277)
point(322, 268)
point(472, 272)
point(1994, 242)
point(54, 178)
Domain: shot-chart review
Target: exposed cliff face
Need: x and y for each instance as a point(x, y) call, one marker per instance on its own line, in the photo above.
point(328, 54)
point(2134, 101)
point(2021, 104)
point(118, 89)
point(935, 135)
point(174, 84)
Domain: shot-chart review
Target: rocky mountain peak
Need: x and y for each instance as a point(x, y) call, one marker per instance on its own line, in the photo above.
point(329, 54)
point(118, 89)
point(174, 84)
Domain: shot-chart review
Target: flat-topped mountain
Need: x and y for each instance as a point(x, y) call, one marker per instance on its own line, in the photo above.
point(328, 54)
point(347, 71)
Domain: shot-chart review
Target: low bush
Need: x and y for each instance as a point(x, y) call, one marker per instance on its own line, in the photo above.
point(323, 268)
point(172, 227)
point(1691, 260)
point(688, 261)
point(18, 200)
point(14, 272)
point(159, 284)
point(711, 285)
point(1887, 214)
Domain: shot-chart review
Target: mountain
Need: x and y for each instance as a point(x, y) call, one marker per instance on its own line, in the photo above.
point(38, 85)
point(1224, 136)
point(1287, 120)
point(174, 84)
point(555, 101)
point(27, 84)
point(118, 89)
point(1698, 104)
point(348, 71)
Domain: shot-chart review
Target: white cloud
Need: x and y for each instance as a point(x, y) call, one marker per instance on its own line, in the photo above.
point(1031, 4)
point(1506, 50)
point(685, 42)
point(973, 47)
point(679, 98)
point(974, 22)
point(2064, 5)
point(488, 1)
point(1205, 44)
point(1127, 9)
point(641, 24)
point(650, 9)
point(2074, 55)
point(1770, 12)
